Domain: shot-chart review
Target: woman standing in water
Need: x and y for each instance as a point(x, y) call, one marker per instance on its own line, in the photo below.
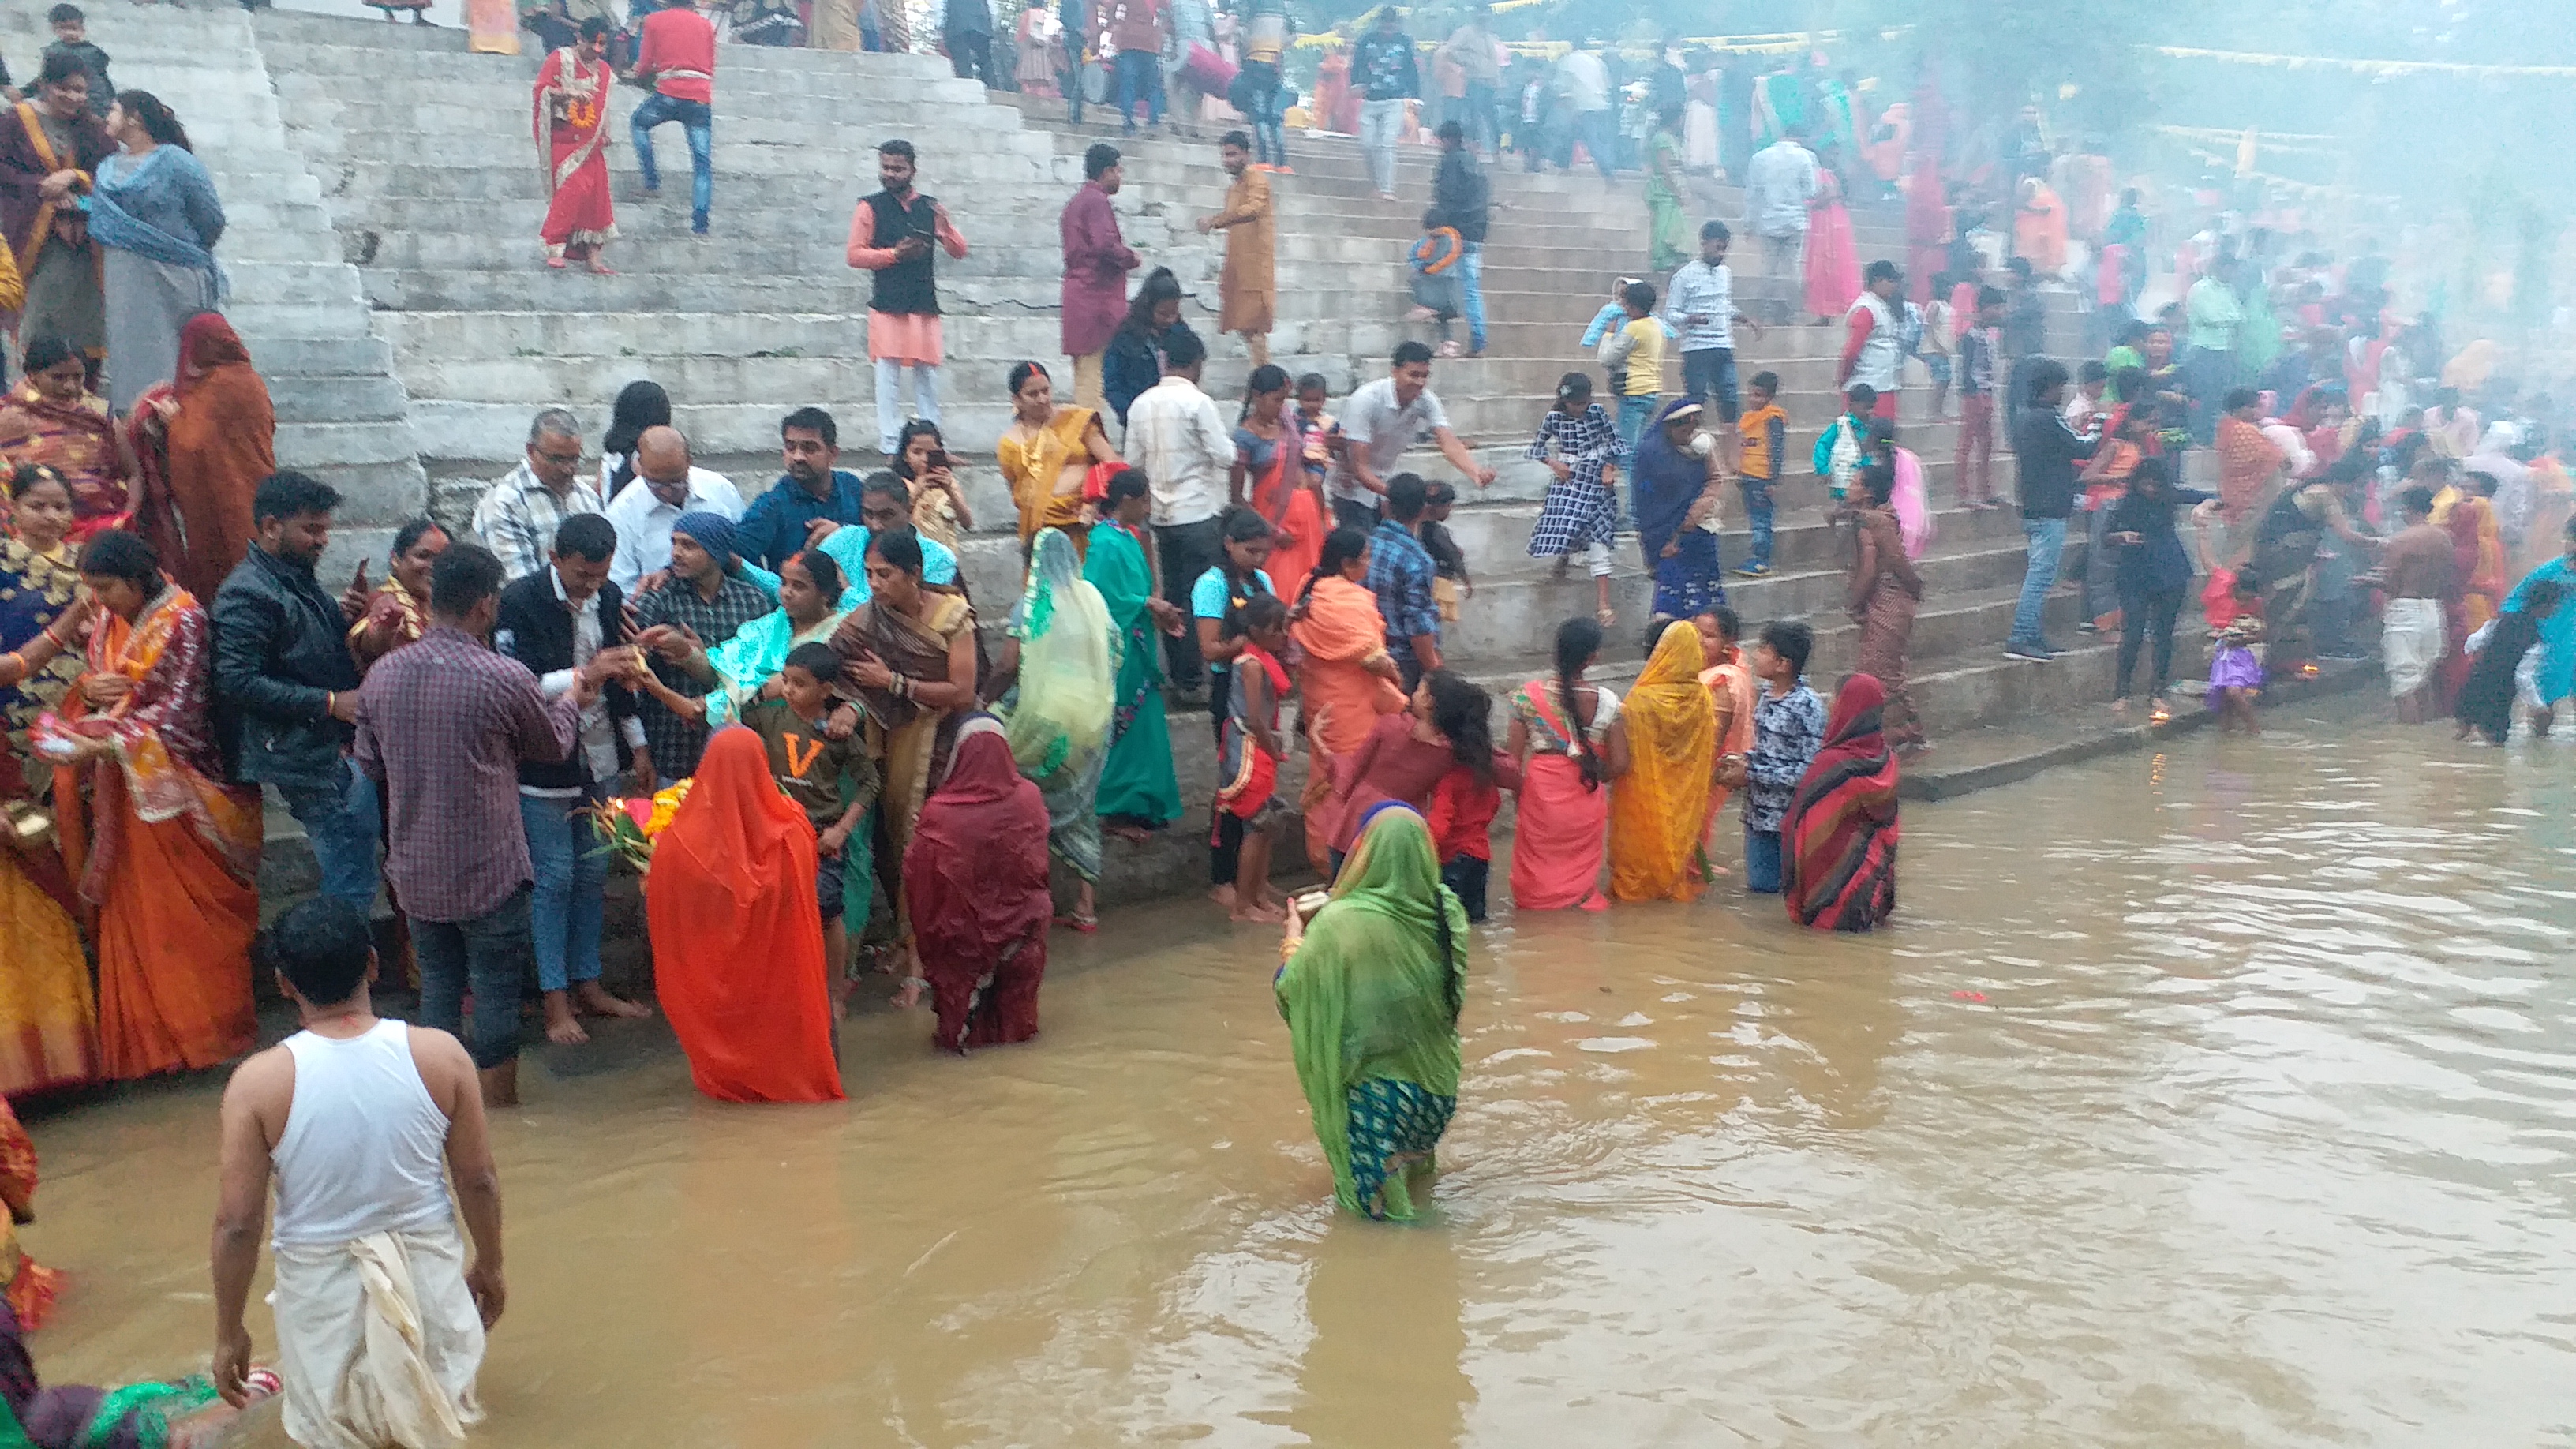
point(1656, 815)
point(1882, 593)
point(976, 882)
point(1347, 678)
point(1371, 989)
point(1138, 790)
point(1839, 836)
point(1566, 734)
point(1062, 658)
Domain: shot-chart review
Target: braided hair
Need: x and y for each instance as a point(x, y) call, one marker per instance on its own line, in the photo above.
point(1577, 641)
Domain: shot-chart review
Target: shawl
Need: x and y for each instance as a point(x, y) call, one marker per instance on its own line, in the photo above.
point(202, 444)
point(1658, 807)
point(1341, 631)
point(737, 939)
point(914, 648)
point(2247, 461)
point(573, 102)
point(1667, 481)
point(27, 157)
point(1374, 988)
point(79, 442)
point(126, 189)
point(1059, 723)
point(755, 653)
point(1839, 835)
point(976, 873)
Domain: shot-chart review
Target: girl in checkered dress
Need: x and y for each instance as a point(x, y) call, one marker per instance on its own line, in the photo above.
point(1581, 510)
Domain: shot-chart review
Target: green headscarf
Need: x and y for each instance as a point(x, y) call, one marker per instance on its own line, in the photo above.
point(1374, 987)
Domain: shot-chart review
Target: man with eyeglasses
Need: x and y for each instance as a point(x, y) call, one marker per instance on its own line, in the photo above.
point(673, 485)
point(517, 517)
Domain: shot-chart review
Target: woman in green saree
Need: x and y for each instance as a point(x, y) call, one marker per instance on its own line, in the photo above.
point(1670, 245)
point(1138, 789)
point(1371, 990)
point(1056, 715)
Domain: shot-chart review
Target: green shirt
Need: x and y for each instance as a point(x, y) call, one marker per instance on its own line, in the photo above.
point(2119, 360)
point(819, 774)
point(2215, 314)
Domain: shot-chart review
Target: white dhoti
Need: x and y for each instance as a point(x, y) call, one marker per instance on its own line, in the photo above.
point(2410, 643)
point(378, 1341)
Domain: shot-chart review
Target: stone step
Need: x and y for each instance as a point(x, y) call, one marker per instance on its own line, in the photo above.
point(352, 398)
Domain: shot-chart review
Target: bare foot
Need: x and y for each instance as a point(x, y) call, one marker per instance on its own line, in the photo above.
point(909, 996)
point(501, 1084)
point(1223, 895)
point(562, 1028)
point(1261, 915)
point(592, 999)
point(1132, 834)
point(2120, 707)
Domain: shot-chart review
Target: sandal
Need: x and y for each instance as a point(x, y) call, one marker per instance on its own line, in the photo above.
point(1606, 618)
point(1077, 921)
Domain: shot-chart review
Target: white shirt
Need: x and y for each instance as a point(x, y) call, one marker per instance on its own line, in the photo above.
point(1777, 186)
point(1177, 435)
point(1700, 290)
point(597, 744)
point(1587, 81)
point(644, 522)
point(1371, 420)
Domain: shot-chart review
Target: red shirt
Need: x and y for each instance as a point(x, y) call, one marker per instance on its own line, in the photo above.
point(1462, 810)
point(680, 54)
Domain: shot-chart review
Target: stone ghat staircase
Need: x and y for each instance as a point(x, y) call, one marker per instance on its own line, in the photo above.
point(297, 303)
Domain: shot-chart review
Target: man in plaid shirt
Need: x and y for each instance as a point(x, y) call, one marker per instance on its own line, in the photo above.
point(517, 517)
point(1400, 573)
point(442, 726)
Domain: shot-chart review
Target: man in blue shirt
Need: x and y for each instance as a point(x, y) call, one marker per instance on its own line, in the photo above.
point(1400, 573)
point(778, 521)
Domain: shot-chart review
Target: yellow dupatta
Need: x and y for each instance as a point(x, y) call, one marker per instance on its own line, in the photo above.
point(1658, 807)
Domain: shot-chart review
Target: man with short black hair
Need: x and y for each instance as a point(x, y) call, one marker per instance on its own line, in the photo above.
point(1401, 573)
point(677, 62)
point(2416, 569)
point(1096, 263)
point(286, 688)
point(568, 624)
point(1464, 198)
point(1179, 436)
point(967, 29)
point(1700, 306)
point(1386, 74)
point(361, 1122)
point(1246, 288)
point(442, 725)
point(2047, 454)
point(1380, 422)
point(1778, 184)
point(892, 234)
point(517, 516)
point(781, 521)
point(1873, 337)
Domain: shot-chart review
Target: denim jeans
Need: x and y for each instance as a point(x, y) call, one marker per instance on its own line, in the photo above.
point(1757, 517)
point(1257, 96)
point(1140, 77)
point(565, 912)
point(1762, 861)
point(1634, 414)
point(925, 399)
point(1075, 74)
point(340, 823)
point(488, 955)
point(970, 53)
point(699, 123)
point(2046, 541)
point(1475, 114)
point(1708, 378)
point(1188, 550)
point(1599, 133)
point(1471, 276)
point(2101, 566)
point(1380, 125)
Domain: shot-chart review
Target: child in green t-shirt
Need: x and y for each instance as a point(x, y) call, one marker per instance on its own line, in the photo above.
point(832, 781)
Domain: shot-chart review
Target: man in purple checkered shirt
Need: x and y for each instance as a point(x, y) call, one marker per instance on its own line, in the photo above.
point(443, 725)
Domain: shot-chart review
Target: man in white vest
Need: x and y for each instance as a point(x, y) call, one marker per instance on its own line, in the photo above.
point(1874, 337)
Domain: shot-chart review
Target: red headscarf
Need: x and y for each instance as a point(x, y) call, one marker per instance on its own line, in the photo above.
point(202, 443)
point(737, 936)
point(975, 877)
point(1840, 832)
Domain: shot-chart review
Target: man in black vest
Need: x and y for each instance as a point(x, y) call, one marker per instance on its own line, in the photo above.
point(891, 235)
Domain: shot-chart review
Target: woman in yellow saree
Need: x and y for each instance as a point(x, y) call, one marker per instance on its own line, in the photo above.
point(1658, 809)
point(1046, 454)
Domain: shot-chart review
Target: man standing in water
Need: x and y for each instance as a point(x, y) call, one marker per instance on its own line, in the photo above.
point(2415, 569)
point(360, 1120)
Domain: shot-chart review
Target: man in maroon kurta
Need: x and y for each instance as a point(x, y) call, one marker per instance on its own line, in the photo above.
point(1096, 263)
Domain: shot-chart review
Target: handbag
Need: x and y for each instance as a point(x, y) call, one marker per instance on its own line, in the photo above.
point(1204, 68)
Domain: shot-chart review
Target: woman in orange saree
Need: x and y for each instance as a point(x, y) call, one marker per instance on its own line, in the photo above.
point(170, 854)
point(201, 444)
point(2479, 578)
point(51, 417)
point(1659, 809)
point(1729, 681)
point(1270, 470)
point(737, 937)
point(1347, 679)
point(572, 142)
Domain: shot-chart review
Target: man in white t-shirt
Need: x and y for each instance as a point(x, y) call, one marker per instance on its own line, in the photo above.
point(1778, 183)
point(1585, 81)
point(666, 484)
point(1177, 434)
point(1380, 422)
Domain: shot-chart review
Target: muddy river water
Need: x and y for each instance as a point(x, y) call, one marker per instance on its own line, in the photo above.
point(2214, 1097)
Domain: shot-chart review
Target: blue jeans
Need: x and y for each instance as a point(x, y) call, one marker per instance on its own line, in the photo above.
point(340, 823)
point(1708, 378)
point(1762, 861)
point(564, 915)
point(1599, 133)
point(1634, 414)
point(487, 955)
point(1757, 517)
point(1256, 95)
point(1471, 275)
point(1140, 77)
point(699, 122)
point(2046, 539)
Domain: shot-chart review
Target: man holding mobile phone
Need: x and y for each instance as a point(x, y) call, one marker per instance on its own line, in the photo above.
point(892, 234)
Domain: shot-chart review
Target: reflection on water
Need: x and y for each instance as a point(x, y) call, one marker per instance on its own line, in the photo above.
point(2223, 1096)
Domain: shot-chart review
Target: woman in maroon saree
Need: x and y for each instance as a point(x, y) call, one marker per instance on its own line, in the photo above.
point(1839, 865)
point(976, 880)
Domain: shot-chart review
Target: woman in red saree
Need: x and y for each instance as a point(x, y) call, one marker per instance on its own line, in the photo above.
point(201, 444)
point(737, 936)
point(572, 138)
point(976, 879)
point(51, 417)
point(1347, 678)
point(168, 853)
point(1839, 837)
